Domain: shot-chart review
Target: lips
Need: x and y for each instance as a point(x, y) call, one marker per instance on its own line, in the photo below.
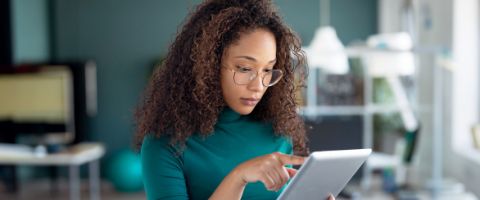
point(249, 101)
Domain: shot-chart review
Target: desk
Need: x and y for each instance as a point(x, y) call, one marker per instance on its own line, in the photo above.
point(72, 157)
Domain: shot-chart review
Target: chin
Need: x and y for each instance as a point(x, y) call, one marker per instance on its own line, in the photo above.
point(243, 110)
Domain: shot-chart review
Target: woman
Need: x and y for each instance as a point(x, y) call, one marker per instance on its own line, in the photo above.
point(219, 116)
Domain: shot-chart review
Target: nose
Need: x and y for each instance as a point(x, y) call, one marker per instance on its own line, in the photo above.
point(256, 84)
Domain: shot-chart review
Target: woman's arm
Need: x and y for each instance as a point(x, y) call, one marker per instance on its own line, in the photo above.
point(231, 187)
point(269, 169)
point(162, 170)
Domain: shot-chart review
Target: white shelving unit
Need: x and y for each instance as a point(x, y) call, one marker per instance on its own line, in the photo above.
point(367, 110)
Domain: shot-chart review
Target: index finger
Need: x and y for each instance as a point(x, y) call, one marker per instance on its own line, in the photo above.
point(286, 159)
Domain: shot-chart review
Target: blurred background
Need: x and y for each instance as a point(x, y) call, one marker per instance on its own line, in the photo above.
point(397, 76)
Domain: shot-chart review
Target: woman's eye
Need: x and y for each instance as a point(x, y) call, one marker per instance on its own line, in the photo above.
point(268, 70)
point(243, 69)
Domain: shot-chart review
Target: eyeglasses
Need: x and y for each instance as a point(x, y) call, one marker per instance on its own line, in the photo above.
point(243, 76)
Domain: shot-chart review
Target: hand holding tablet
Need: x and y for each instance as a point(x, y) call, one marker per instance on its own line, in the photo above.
point(324, 173)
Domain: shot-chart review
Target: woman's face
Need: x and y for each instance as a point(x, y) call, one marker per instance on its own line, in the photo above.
point(255, 51)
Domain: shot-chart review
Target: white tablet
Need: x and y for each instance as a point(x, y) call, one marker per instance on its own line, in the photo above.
point(324, 173)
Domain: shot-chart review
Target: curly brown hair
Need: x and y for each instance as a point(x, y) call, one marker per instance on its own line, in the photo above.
point(184, 96)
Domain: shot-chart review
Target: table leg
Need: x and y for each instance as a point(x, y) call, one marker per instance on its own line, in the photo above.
point(74, 182)
point(94, 172)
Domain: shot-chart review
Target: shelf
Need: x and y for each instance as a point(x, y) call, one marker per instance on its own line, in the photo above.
point(362, 51)
point(348, 110)
point(388, 64)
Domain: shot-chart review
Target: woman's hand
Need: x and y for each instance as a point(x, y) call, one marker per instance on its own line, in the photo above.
point(269, 169)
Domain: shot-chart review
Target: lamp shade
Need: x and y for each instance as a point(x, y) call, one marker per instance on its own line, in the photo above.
point(326, 51)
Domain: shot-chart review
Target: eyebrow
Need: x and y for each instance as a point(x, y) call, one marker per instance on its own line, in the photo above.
point(253, 59)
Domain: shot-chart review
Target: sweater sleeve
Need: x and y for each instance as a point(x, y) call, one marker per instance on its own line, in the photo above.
point(162, 169)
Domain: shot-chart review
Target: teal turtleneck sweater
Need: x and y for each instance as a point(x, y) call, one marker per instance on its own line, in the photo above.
point(202, 165)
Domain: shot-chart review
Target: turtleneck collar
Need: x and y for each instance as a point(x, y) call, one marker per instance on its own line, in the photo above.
point(228, 115)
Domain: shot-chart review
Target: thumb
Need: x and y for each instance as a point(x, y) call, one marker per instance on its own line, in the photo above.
point(291, 172)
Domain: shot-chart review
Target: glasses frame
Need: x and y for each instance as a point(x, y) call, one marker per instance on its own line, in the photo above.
point(254, 76)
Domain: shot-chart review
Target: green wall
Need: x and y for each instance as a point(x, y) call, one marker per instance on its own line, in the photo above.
point(30, 31)
point(352, 19)
point(126, 37)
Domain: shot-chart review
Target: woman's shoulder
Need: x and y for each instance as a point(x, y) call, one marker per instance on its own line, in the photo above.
point(158, 144)
point(150, 141)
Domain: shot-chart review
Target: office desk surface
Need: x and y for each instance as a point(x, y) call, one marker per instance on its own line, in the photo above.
point(75, 155)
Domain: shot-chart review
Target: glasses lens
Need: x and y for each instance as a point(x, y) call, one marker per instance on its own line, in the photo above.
point(243, 78)
point(269, 79)
point(272, 78)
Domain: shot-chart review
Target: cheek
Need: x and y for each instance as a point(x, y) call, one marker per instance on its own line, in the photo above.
point(228, 88)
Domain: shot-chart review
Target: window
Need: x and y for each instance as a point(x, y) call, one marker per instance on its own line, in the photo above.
point(465, 77)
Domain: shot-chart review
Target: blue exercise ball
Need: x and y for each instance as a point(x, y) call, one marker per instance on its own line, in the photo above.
point(124, 171)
